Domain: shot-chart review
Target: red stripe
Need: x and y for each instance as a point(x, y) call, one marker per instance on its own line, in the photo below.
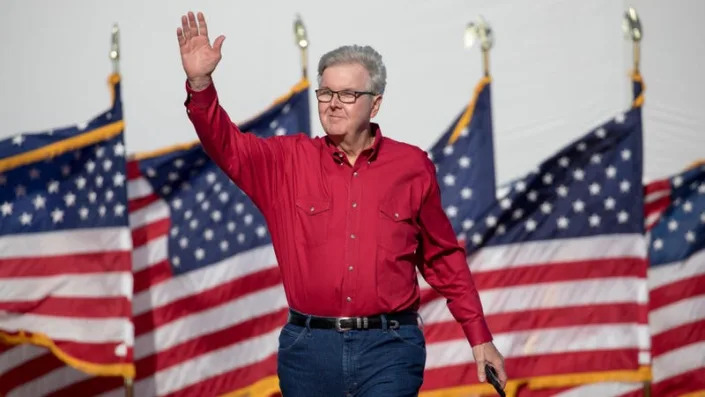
point(108, 261)
point(616, 313)
point(232, 380)
point(209, 342)
point(144, 234)
point(72, 307)
point(539, 365)
point(133, 169)
point(151, 276)
point(681, 384)
point(141, 202)
point(678, 337)
point(677, 291)
point(147, 367)
point(657, 186)
point(210, 298)
point(32, 369)
point(28, 371)
point(562, 271)
point(90, 387)
point(553, 272)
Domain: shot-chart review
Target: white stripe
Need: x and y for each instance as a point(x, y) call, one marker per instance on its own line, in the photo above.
point(50, 382)
point(80, 241)
point(679, 313)
point(156, 211)
point(137, 188)
point(208, 321)
point(76, 329)
point(98, 285)
point(205, 366)
point(202, 279)
point(679, 361)
point(150, 254)
point(670, 273)
point(657, 195)
point(547, 296)
point(653, 218)
point(645, 357)
point(559, 250)
point(543, 341)
point(602, 389)
point(19, 355)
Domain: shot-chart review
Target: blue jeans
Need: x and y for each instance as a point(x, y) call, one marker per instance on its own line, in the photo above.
point(376, 362)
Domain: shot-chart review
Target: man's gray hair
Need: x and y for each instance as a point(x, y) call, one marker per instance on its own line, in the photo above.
point(365, 56)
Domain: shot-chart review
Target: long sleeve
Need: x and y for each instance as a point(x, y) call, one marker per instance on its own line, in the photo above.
point(445, 266)
point(253, 163)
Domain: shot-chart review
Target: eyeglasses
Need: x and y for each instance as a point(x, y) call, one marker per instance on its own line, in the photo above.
point(345, 96)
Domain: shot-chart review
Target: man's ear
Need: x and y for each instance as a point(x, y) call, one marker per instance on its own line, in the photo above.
point(376, 103)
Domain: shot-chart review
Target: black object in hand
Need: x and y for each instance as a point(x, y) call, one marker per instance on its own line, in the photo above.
point(492, 377)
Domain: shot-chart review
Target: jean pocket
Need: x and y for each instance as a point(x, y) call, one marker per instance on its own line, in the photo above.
point(290, 336)
point(410, 335)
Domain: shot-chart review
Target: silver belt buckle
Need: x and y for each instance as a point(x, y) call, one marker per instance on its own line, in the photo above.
point(340, 328)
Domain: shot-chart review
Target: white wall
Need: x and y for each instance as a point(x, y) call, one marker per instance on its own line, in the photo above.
point(559, 67)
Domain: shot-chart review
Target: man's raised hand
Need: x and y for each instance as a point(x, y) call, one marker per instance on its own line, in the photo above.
point(198, 57)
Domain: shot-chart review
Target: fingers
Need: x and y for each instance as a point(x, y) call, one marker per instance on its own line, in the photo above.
point(501, 372)
point(218, 44)
point(180, 36)
point(193, 26)
point(202, 27)
point(184, 28)
point(481, 371)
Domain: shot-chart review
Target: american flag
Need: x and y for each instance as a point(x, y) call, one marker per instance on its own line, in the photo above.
point(677, 286)
point(560, 262)
point(65, 254)
point(208, 300)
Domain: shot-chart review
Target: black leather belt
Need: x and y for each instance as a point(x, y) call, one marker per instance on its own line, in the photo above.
point(394, 321)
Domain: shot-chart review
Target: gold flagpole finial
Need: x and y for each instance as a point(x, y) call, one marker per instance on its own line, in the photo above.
point(482, 32)
point(634, 32)
point(115, 49)
point(302, 43)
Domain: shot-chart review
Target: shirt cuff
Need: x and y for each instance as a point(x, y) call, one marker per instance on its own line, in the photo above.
point(201, 99)
point(477, 332)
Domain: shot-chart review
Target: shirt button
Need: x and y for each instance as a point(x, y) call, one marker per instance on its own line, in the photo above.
point(312, 209)
point(352, 236)
point(350, 268)
point(396, 214)
point(188, 110)
point(354, 204)
point(355, 173)
point(349, 299)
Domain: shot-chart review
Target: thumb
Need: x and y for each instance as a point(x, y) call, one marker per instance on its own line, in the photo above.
point(481, 371)
point(218, 44)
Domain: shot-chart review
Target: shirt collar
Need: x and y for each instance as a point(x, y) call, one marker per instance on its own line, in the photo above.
point(370, 153)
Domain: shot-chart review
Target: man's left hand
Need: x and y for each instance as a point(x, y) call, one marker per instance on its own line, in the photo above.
point(485, 354)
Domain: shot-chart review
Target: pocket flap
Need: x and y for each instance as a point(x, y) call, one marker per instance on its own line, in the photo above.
point(312, 206)
point(395, 212)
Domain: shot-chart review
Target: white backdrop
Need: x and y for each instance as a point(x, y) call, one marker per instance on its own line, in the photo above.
point(559, 67)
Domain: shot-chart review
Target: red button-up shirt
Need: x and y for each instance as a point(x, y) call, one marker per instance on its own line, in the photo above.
point(348, 237)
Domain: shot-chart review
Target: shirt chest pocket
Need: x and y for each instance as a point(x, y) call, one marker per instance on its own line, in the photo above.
point(313, 217)
point(397, 229)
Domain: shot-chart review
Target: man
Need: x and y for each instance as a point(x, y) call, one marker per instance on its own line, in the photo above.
point(352, 216)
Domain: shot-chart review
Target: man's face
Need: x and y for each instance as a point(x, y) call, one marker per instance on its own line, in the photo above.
point(338, 118)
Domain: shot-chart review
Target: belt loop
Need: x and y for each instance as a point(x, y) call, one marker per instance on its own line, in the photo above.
point(308, 323)
point(419, 321)
point(384, 322)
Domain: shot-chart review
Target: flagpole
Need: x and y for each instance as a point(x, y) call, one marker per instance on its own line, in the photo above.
point(115, 49)
point(634, 32)
point(482, 32)
point(302, 43)
point(632, 28)
point(114, 56)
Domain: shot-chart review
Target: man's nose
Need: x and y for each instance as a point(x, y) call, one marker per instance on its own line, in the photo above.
point(335, 101)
